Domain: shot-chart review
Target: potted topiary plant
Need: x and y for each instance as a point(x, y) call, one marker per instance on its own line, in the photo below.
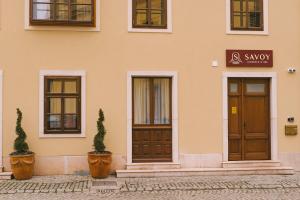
point(100, 160)
point(21, 160)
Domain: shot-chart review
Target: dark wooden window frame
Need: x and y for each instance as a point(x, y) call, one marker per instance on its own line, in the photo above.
point(148, 12)
point(152, 104)
point(64, 22)
point(62, 95)
point(261, 28)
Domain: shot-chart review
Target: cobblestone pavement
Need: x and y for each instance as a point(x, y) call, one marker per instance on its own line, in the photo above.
point(173, 188)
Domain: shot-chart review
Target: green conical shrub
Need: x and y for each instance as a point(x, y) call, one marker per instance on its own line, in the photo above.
point(99, 137)
point(20, 146)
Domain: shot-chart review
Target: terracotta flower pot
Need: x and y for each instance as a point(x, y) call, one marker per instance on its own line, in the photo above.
point(22, 166)
point(99, 164)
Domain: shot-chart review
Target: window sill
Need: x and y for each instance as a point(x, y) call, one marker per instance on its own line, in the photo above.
point(150, 30)
point(237, 32)
point(62, 28)
point(81, 135)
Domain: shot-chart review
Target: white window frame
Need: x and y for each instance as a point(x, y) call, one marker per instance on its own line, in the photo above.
point(29, 27)
point(44, 73)
point(240, 32)
point(171, 74)
point(169, 28)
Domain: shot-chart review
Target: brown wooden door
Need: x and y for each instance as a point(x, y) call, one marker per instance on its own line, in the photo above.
point(248, 119)
point(152, 120)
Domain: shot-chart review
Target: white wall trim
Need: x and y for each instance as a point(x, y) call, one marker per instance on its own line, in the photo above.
point(1, 120)
point(266, 21)
point(173, 75)
point(44, 73)
point(27, 25)
point(273, 100)
point(169, 28)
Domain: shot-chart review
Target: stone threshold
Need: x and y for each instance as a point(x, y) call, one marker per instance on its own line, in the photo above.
point(205, 172)
point(251, 164)
point(152, 166)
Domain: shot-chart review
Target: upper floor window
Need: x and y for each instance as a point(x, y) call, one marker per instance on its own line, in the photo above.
point(149, 14)
point(247, 15)
point(62, 12)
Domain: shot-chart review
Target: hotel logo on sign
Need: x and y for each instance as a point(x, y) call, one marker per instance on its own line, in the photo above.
point(249, 58)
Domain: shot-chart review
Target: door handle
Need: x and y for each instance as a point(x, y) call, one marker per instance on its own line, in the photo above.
point(244, 125)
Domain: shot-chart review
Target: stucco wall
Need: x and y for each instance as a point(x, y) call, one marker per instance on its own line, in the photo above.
point(198, 38)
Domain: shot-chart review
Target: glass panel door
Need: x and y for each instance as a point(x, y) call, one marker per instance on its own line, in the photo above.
point(141, 99)
point(162, 101)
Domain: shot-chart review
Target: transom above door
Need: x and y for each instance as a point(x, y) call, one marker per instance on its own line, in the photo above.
point(152, 119)
point(248, 119)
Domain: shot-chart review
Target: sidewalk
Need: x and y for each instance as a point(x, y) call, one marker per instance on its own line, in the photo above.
point(173, 188)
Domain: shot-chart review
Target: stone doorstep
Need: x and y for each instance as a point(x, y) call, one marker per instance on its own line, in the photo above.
point(5, 175)
point(152, 166)
point(205, 172)
point(250, 164)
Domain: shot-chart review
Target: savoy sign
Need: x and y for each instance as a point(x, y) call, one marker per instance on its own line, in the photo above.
point(249, 58)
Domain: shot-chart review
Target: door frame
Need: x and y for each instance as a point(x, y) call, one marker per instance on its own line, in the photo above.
point(273, 109)
point(169, 74)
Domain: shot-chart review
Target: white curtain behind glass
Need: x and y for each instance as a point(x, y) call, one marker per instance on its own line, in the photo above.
point(42, 10)
point(162, 101)
point(141, 101)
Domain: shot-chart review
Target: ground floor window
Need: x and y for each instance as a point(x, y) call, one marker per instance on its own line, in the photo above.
point(62, 110)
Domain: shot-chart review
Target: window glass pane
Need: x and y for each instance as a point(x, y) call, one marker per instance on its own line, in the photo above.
point(255, 87)
point(54, 121)
point(70, 121)
point(254, 19)
point(239, 5)
point(141, 98)
point(141, 4)
point(156, 18)
point(62, 11)
point(81, 12)
point(239, 20)
point(141, 17)
point(55, 105)
point(42, 9)
point(162, 101)
point(157, 4)
point(233, 87)
point(254, 5)
point(70, 105)
point(55, 86)
point(70, 87)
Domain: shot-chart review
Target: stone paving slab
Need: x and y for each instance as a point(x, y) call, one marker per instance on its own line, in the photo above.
point(201, 187)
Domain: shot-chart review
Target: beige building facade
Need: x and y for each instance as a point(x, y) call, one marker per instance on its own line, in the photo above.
point(184, 53)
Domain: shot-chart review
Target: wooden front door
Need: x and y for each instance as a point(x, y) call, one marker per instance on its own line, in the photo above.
point(248, 119)
point(152, 119)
